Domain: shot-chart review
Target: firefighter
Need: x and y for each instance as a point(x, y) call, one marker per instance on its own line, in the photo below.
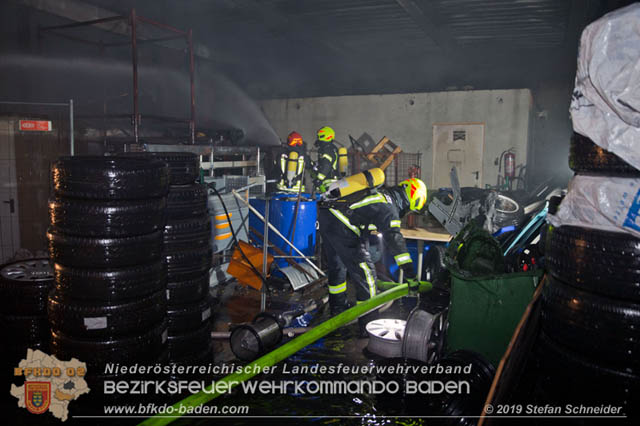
point(292, 162)
point(345, 231)
point(327, 164)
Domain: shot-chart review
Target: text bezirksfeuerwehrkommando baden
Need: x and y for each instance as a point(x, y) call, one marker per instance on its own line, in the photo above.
point(138, 381)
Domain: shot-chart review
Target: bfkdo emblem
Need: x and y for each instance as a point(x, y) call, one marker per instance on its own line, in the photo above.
point(37, 396)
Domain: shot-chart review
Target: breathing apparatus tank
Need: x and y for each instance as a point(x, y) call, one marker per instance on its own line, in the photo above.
point(368, 179)
point(292, 167)
point(343, 161)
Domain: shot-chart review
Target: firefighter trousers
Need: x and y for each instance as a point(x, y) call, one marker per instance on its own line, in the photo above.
point(347, 256)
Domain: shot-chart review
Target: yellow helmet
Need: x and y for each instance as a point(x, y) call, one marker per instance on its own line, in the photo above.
point(416, 193)
point(326, 134)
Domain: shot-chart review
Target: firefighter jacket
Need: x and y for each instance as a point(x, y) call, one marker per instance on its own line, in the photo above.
point(378, 211)
point(327, 171)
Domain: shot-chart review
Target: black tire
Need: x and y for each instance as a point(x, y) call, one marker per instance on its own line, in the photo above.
point(435, 270)
point(605, 330)
point(587, 157)
point(111, 285)
point(479, 380)
point(187, 234)
point(186, 201)
point(566, 376)
point(188, 274)
point(204, 357)
point(603, 262)
point(184, 167)
point(188, 291)
point(22, 331)
point(182, 319)
point(95, 378)
point(107, 218)
point(96, 252)
point(193, 341)
point(139, 348)
point(25, 286)
point(97, 319)
point(96, 399)
point(16, 352)
point(188, 260)
point(109, 178)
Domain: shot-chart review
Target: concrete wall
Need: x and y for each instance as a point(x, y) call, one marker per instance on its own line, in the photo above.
point(552, 130)
point(407, 120)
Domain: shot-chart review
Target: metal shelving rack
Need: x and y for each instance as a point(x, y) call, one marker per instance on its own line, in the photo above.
point(132, 20)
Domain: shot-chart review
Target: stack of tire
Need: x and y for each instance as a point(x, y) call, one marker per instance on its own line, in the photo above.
point(105, 238)
point(459, 409)
point(589, 345)
point(24, 288)
point(187, 254)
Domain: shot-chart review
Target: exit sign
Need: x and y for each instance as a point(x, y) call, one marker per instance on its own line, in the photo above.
point(35, 126)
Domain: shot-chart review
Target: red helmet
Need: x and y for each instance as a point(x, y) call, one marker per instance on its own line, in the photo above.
point(294, 139)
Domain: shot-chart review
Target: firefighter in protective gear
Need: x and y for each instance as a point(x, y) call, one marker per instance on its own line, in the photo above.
point(292, 162)
point(345, 231)
point(327, 164)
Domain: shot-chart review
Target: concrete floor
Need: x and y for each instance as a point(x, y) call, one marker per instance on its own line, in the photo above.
point(238, 304)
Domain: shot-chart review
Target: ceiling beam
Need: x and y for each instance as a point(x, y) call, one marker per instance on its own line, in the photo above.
point(425, 15)
point(280, 23)
point(79, 11)
point(576, 20)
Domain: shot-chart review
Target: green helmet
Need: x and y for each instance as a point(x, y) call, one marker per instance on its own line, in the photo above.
point(326, 134)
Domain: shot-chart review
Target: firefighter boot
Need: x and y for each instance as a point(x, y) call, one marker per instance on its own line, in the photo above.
point(338, 303)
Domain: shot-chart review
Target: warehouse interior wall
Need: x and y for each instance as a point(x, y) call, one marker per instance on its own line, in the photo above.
point(552, 130)
point(221, 84)
point(407, 120)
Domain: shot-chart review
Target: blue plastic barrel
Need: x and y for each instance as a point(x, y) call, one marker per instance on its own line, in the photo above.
point(412, 247)
point(281, 212)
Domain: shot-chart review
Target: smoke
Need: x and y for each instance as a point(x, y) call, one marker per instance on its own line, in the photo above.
point(231, 105)
point(163, 91)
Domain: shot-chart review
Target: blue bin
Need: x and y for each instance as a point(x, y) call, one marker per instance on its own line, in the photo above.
point(281, 212)
point(412, 247)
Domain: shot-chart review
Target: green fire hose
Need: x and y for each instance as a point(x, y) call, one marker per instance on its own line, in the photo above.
point(394, 291)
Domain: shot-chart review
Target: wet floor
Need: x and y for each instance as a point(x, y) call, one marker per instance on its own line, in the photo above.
point(343, 347)
point(237, 304)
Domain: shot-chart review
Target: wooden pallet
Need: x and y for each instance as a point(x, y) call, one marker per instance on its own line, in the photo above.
point(383, 153)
